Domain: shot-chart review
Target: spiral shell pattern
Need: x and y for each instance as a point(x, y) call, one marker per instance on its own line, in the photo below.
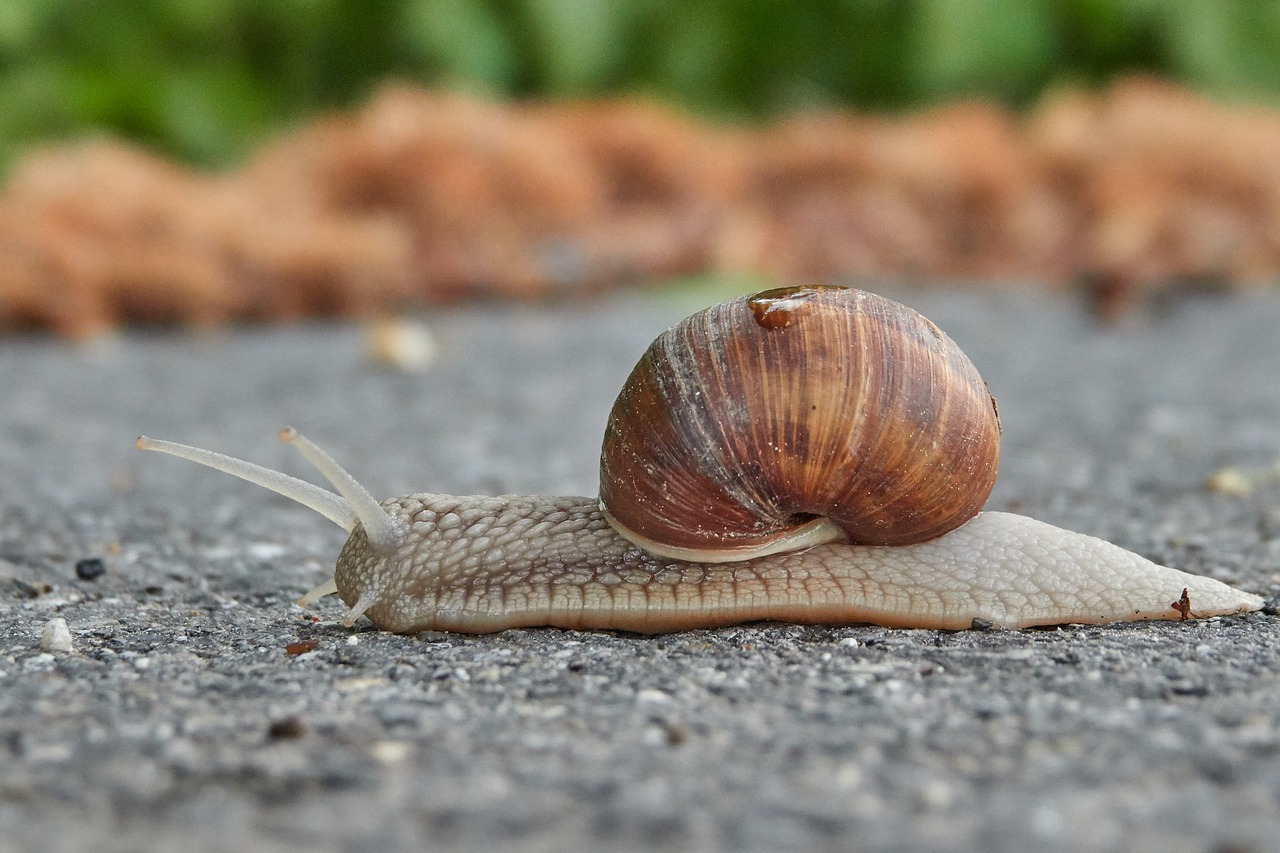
point(757, 416)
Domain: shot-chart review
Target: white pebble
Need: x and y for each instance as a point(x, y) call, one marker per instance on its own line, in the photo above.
point(650, 696)
point(56, 636)
point(400, 344)
point(389, 751)
point(936, 794)
point(1231, 481)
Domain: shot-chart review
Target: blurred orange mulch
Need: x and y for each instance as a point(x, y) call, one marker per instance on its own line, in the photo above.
point(423, 197)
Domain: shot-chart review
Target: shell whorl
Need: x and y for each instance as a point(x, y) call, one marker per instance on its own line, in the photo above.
point(756, 416)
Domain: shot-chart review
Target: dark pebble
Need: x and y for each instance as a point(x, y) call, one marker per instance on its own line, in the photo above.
point(288, 728)
point(90, 568)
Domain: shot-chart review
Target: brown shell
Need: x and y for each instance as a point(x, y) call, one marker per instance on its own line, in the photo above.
point(751, 417)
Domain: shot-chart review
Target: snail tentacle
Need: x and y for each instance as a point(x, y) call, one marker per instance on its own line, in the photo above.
point(331, 506)
point(369, 597)
point(309, 598)
point(383, 531)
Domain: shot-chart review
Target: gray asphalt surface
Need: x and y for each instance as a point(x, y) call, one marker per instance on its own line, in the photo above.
point(178, 721)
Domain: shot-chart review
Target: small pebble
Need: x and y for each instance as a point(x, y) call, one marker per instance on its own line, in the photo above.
point(389, 751)
point(650, 696)
point(56, 636)
point(400, 344)
point(300, 648)
point(90, 568)
point(1242, 482)
point(287, 728)
point(937, 794)
point(32, 590)
point(1231, 481)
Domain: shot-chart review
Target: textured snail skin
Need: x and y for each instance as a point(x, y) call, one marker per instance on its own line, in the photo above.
point(480, 564)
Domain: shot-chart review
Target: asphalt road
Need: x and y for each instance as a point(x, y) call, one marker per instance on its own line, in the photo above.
point(179, 720)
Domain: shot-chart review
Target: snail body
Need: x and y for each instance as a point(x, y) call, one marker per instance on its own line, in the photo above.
point(813, 455)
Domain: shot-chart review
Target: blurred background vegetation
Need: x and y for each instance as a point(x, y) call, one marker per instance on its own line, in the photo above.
point(204, 80)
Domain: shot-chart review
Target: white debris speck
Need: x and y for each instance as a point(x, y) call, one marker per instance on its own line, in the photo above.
point(56, 636)
point(1231, 481)
point(1242, 482)
point(937, 794)
point(389, 751)
point(650, 696)
point(266, 550)
point(400, 344)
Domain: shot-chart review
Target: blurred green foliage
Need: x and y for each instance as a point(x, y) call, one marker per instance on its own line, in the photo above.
point(205, 79)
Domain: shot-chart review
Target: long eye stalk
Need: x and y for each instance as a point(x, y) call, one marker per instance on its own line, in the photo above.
point(379, 526)
point(351, 506)
point(326, 503)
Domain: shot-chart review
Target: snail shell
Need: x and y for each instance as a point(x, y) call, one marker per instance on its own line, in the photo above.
point(797, 416)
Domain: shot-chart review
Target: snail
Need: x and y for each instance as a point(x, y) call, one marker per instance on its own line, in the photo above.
point(813, 454)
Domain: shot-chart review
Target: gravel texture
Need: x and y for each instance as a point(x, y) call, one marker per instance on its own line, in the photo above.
point(198, 709)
